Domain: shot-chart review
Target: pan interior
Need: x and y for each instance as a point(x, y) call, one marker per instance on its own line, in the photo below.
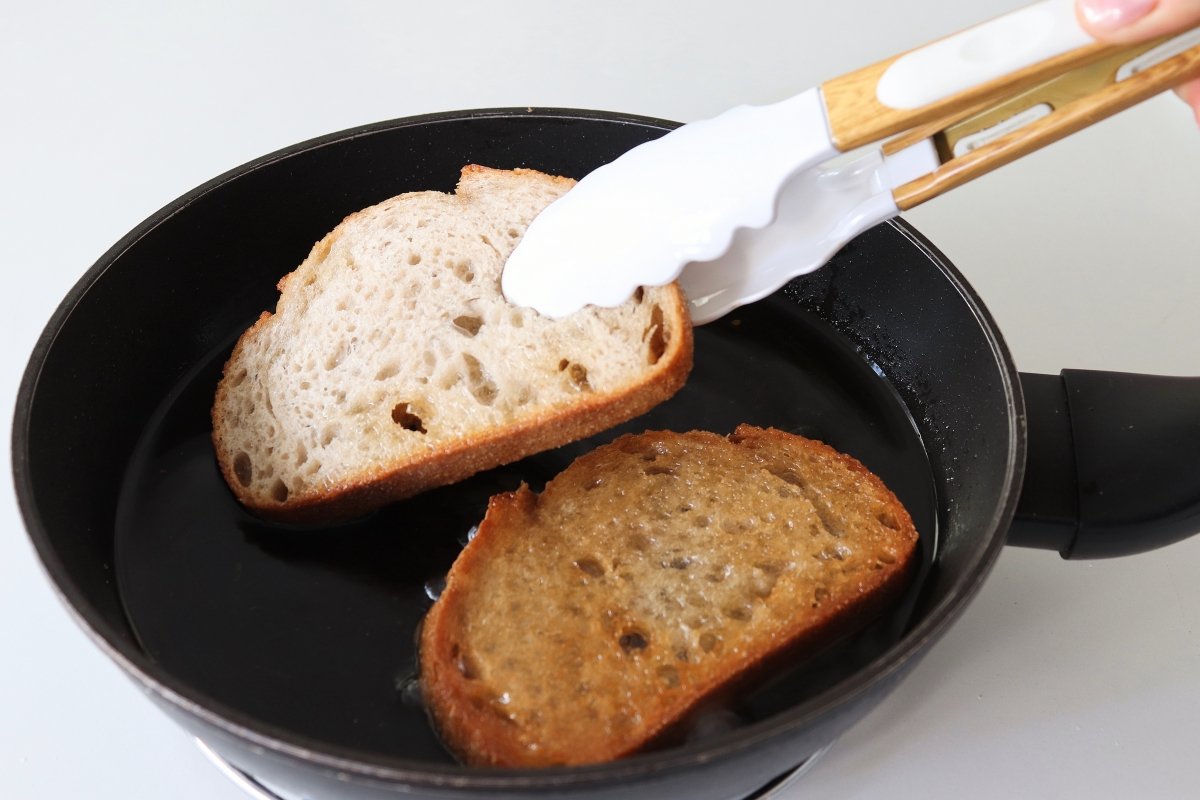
point(312, 631)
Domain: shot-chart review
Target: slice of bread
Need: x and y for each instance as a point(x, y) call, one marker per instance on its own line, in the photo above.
point(394, 364)
point(653, 574)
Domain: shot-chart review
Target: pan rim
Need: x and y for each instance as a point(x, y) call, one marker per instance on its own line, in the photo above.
point(891, 663)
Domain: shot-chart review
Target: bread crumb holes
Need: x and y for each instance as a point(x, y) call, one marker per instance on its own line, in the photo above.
point(243, 468)
point(577, 374)
point(633, 641)
point(655, 336)
point(388, 370)
point(468, 324)
point(403, 416)
point(590, 566)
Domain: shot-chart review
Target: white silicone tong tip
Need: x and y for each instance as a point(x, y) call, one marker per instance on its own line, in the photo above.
point(820, 210)
point(641, 219)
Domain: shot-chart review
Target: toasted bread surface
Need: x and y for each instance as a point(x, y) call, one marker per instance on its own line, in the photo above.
point(649, 576)
point(393, 363)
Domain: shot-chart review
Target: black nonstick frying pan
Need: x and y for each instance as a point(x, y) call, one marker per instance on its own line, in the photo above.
point(291, 653)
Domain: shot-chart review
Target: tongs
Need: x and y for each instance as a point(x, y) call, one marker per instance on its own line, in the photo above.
point(735, 206)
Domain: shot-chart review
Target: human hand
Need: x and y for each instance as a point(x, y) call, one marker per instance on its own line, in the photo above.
point(1123, 21)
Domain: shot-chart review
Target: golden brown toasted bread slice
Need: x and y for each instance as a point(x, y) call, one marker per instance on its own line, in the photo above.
point(653, 573)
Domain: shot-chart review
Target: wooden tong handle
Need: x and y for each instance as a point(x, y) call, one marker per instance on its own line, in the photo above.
point(1065, 105)
point(1000, 90)
point(979, 65)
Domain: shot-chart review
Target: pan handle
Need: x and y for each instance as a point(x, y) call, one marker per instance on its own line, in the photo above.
point(1113, 463)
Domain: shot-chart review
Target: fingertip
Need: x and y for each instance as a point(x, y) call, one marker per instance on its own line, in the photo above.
point(1126, 21)
point(1112, 20)
point(1190, 92)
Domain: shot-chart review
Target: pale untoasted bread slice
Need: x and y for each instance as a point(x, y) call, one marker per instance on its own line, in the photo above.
point(394, 364)
point(652, 574)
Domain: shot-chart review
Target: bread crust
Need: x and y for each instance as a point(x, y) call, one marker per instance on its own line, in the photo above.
point(405, 474)
point(460, 686)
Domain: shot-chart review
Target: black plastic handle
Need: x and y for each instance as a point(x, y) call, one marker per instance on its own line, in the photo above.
point(1113, 464)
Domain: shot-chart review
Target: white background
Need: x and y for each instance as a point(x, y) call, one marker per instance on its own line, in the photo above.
point(1062, 679)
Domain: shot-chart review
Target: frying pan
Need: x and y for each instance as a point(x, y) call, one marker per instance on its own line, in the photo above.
point(290, 654)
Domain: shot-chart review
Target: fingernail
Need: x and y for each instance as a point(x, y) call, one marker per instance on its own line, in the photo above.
point(1112, 14)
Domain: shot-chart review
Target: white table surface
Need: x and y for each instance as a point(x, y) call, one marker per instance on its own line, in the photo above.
point(1062, 680)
